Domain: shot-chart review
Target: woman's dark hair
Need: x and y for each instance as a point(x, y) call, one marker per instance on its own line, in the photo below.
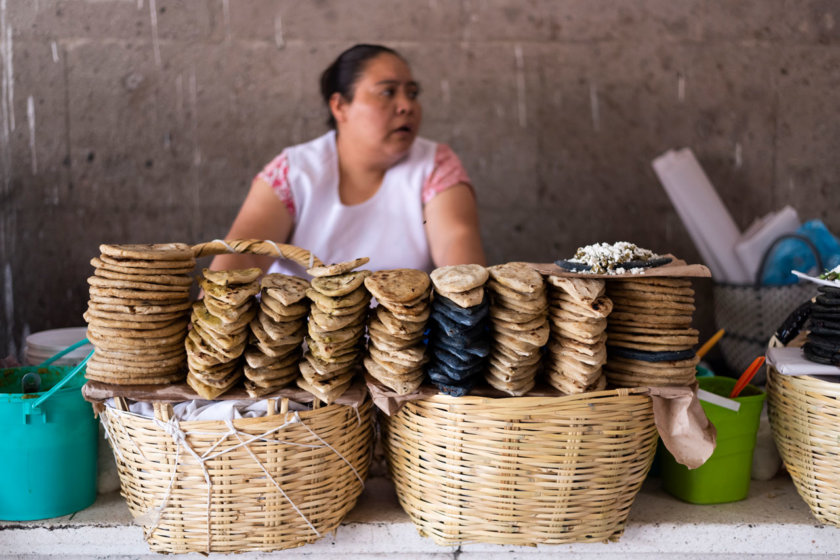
point(342, 74)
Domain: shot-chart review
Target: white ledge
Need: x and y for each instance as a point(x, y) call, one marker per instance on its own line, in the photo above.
point(773, 522)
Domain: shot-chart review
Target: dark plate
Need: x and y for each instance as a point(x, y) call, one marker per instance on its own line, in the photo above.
point(581, 267)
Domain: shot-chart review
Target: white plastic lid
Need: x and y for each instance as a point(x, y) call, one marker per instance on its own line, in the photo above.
point(45, 344)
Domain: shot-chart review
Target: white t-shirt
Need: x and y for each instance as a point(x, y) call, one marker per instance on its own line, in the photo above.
point(388, 228)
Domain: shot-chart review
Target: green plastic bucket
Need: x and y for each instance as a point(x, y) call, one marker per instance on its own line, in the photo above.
point(725, 477)
point(48, 444)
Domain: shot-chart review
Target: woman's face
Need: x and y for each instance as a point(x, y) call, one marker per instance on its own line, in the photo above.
point(384, 115)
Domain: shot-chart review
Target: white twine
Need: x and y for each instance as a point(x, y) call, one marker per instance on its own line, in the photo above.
point(333, 449)
point(131, 439)
point(276, 248)
point(311, 260)
point(225, 243)
point(273, 481)
point(172, 427)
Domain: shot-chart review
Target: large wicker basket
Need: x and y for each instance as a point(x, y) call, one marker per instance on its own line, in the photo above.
point(805, 417)
point(268, 483)
point(521, 470)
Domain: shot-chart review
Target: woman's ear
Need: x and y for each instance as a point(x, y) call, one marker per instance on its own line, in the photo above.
point(338, 107)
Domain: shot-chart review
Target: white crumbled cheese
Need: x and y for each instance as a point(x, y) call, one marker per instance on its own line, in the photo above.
point(833, 274)
point(604, 258)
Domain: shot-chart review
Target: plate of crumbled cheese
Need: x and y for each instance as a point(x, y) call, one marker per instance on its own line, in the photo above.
point(616, 258)
point(828, 278)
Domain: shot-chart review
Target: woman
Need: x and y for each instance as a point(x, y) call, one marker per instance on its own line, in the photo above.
point(368, 188)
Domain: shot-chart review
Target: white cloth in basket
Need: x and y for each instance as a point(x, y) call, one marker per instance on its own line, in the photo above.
point(199, 409)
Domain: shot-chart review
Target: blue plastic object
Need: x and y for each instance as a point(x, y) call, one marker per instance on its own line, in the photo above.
point(48, 444)
point(792, 254)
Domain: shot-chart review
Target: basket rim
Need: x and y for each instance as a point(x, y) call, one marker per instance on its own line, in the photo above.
point(814, 381)
point(442, 398)
point(243, 422)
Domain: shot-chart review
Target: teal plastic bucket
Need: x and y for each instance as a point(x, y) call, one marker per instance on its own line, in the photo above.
point(725, 476)
point(48, 444)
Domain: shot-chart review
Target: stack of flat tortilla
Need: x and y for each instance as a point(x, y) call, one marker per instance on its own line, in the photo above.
point(396, 353)
point(336, 327)
point(137, 313)
point(459, 337)
point(650, 336)
point(518, 313)
point(219, 331)
point(578, 313)
point(272, 356)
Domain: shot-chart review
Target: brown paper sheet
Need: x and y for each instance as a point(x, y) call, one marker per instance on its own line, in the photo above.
point(676, 267)
point(96, 392)
point(677, 413)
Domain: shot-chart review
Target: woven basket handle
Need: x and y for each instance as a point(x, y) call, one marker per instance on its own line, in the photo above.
point(766, 257)
point(257, 247)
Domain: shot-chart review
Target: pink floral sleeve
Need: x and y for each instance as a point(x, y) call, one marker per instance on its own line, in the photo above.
point(276, 174)
point(447, 173)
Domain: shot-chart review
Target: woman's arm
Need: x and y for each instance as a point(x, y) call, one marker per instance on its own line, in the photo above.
point(262, 216)
point(451, 219)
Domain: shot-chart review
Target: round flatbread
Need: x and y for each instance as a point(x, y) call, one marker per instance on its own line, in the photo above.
point(517, 276)
point(157, 279)
point(123, 323)
point(459, 278)
point(138, 295)
point(101, 282)
point(146, 269)
point(231, 277)
point(116, 305)
point(337, 268)
point(286, 289)
point(157, 251)
point(467, 299)
point(400, 285)
point(327, 303)
point(340, 284)
point(585, 290)
point(233, 295)
point(145, 264)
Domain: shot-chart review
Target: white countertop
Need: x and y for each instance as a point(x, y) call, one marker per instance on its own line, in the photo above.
point(773, 522)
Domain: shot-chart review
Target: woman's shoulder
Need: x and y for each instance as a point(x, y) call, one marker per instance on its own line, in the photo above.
point(323, 146)
point(447, 172)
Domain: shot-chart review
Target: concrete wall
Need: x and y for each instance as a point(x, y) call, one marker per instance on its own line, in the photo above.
point(145, 120)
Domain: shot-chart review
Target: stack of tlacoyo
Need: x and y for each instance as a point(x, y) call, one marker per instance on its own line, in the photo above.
point(396, 353)
point(823, 340)
point(577, 351)
point(137, 313)
point(459, 337)
point(650, 336)
point(274, 350)
point(518, 311)
point(336, 326)
point(219, 331)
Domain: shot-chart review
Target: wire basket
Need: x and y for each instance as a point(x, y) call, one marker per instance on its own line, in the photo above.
point(804, 416)
point(521, 470)
point(751, 313)
point(254, 484)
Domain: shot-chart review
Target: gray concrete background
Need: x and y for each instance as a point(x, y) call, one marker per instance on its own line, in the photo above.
point(145, 120)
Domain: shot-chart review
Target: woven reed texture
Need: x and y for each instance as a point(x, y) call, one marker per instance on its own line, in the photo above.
point(257, 247)
point(805, 417)
point(521, 470)
point(751, 315)
point(293, 480)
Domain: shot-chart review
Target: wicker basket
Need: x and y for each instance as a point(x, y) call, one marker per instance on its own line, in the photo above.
point(521, 470)
point(268, 483)
point(805, 418)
